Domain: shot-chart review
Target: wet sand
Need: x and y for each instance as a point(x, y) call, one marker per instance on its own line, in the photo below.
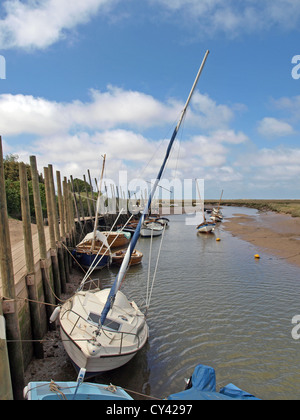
point(276, 234)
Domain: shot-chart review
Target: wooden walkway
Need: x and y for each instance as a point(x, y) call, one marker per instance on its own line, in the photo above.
point(18, 256)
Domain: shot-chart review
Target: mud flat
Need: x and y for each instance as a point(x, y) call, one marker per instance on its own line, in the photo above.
point(277, 234)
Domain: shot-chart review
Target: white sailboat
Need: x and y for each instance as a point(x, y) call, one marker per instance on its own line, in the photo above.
point(101, 330)
point(216, 214)
point(151, 229)
point(205, 226)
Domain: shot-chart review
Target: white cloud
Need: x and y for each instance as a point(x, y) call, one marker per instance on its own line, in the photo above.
point(232, 17)
point(74, 135)
point(36, 24)
point(280, 166)
point(111, 109)
point(208, 113)
point(272, 127)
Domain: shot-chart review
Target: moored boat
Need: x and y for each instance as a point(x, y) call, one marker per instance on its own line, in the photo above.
point(118, 256)
point(163, 221)
point(202, 386)
point(93, 250)
point(151, 229)
point(123, 333)
point(73, 390)
point(117, 239)
point(204, 227)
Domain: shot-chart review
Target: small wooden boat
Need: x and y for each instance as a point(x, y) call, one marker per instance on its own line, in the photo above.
point(130, 227)
point(216, 214)
point(117, 239)
point(163, 221)
point(86, 258)
point(204, 227)
point(118, 256)
point(93, 251)
point(151, 229)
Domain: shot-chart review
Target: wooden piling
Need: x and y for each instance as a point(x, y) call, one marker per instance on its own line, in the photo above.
point(58, 258)
point(10, 308)
point(60, 206)
point(51, 222)
point(69, 226)
point(87, 198)
point(35, 317)
point(45, 267)
point(6, 392)
point(63, 228)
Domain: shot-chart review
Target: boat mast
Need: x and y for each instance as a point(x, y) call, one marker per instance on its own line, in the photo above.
point(204, 219)
point(117, 283)
point(220, 201)
point(98, 206)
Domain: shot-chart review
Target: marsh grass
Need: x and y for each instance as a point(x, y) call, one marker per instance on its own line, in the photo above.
point(291, 207)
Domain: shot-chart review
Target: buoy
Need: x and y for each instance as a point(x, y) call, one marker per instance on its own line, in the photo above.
point(218, 239)
point(55, 314)
point(256, 256)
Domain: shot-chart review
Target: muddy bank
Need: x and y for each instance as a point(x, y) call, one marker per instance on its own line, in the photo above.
point(276, 234)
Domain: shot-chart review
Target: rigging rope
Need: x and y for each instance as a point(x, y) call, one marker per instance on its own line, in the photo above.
point(148, 298)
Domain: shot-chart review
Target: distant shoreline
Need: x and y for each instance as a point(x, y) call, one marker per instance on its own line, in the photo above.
point(291, 207)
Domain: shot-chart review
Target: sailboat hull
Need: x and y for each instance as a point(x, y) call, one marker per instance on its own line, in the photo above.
point(206, 228)
point(100, 349)
point(86, 260)
point(151, 229)
point(93, 365)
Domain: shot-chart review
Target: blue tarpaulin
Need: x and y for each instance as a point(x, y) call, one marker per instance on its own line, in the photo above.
point(203, 387)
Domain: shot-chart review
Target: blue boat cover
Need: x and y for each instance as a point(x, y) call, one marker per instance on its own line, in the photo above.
point(203, 387)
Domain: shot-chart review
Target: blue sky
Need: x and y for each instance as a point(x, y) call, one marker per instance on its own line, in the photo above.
point(112, 76)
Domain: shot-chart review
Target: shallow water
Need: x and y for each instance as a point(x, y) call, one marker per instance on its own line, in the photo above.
point(213, 304)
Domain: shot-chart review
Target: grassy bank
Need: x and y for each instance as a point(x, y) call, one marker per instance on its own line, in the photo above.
point(291, 207)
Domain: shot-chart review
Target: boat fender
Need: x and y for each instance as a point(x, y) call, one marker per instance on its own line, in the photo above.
point(55, 314)
point(93, 349)
point(25, 392)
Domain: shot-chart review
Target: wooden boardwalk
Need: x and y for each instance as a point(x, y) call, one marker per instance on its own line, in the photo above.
point(18, 257)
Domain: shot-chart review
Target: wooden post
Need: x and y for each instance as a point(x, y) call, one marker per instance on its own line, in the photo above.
point(63, 223)
point(72, 210)
point(5, 383)
point(90, 180)
point(87, 198)
point(53, 203)
point(38, 208)
point(60, 205)
point(68, 258)
point(75, 201)
point(8, 289)
point(31, 281)
point(46, 270)
point(50, 211)
point(58, 258)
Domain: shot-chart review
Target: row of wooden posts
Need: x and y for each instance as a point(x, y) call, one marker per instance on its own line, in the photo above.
point(26, 303)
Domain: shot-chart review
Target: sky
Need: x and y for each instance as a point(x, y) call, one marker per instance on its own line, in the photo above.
point(80, 79)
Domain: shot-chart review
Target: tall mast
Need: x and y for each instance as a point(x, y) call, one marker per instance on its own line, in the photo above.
point(204, 220)
point(98, 206)
point(117, 283)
